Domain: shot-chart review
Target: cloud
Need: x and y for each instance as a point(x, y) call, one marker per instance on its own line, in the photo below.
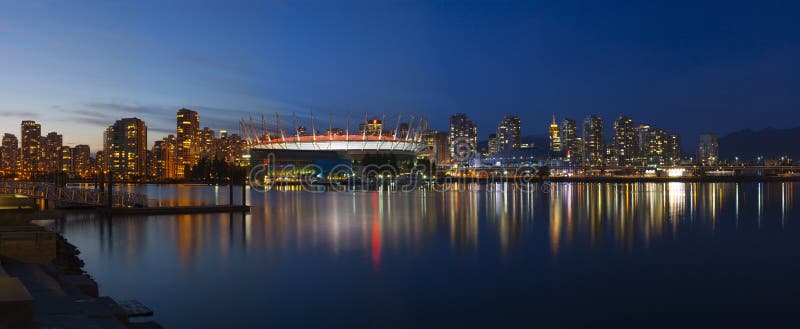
point(19, 114)
point(89, 120)
point(89, 113)
point(128, 109)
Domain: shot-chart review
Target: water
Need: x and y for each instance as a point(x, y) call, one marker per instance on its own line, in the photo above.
point(635, 255)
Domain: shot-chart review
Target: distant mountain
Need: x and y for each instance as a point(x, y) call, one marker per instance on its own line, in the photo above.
point(769, 142)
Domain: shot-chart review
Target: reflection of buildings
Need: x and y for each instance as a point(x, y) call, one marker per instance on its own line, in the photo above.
point(504, 218)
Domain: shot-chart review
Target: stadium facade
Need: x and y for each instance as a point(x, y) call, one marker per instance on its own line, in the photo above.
point(335, 153)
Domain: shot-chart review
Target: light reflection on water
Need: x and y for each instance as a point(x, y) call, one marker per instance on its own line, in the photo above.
point(384, 247)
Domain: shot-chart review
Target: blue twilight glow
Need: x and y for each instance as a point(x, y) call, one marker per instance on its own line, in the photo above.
point(687, 66)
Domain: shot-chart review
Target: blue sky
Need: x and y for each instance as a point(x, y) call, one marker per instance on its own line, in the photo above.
point(685, 66)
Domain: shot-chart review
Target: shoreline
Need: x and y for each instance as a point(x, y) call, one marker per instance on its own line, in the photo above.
point(64, 295)
point(565, 179)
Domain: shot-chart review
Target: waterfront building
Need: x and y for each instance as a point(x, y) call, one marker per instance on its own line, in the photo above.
point(463, 139)
point(657, 147)
point(100, 159)
point(301, 131)
point(232, 149)
point(622, 150)
point(53, 144)
point(82, 160)
point(442, 148)
point(188, 149)
point(641, 138)
point(30, 151)
point(67, 166)
point(593, 140)
point(708, 150)
point(10, 154)
point(436, 148)
point(367, 154)
point(555, 136)
point(164, 157)
point(125, 148)
point(334, 132)
point(207, 137)
point(494, 144)
point(508, 133)
point(674, 155)
point(428, 153)
point(529, 157)
point(569, 140)
point(372, 127)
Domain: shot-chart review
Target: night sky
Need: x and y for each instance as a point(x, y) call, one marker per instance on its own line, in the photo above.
point(686, 67)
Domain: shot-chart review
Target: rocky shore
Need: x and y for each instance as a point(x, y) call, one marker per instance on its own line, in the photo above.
point(63, 295)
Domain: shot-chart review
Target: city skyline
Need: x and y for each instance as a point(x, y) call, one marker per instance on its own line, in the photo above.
point(720, 64)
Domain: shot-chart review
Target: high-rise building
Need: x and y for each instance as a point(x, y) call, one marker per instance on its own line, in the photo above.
point(52, 152)
point(555, 136)
point(657, 147)
point(429, 152)
point(231, 149)
point(508, 135)
point(164, 157)
point(641, 137)
point(494, 144)
point(207, 137)
point(301, 131)
point(708, 150)
point(187, 153)
point(125, 148)
point(463, 139)
point(442, 148)
point(673, 154)
point(82, 161)
point(569, 140)
point(334, 132)
point(436, 151)
point(10, 154)
point(622, 144)
point(30, 151)
point(371, 127)
point(593, 140)
point(67, 166)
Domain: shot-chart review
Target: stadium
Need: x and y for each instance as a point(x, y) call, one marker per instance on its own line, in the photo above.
point(335, 153)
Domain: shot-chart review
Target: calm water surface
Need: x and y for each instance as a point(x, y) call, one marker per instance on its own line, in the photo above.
point(672, 254)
